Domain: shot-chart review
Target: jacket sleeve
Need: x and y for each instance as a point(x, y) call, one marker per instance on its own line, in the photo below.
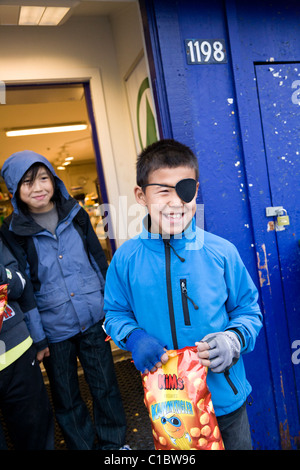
point(26, 299)
point(120, 320)
point(245, 317)
point(10, 273)
point(32, 317)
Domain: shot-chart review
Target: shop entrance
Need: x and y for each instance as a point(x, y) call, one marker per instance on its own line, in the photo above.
point(74, 154)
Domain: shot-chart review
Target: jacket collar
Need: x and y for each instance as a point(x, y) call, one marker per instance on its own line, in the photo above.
point(155, 241)
point(24, 225)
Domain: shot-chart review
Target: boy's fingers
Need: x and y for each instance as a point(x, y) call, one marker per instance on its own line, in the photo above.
point(203, 353)
point(204, 362)
point(202, 346)
point(164, 358)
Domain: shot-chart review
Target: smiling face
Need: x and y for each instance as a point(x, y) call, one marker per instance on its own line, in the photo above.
point(169, 214)
point(37, 194)
point(173, 426)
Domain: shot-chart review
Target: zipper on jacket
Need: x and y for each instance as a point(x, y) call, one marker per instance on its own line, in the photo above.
point(167, 243)
point(169, 293)
point(184, 299)
point(231, 384)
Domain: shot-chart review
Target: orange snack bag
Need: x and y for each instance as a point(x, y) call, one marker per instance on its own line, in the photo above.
point(3, 302)
point(179, 404)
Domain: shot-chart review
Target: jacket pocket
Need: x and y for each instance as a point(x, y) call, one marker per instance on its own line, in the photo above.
point(89, 284)
point(50, 299)
point(230, 383)
point(184, 300)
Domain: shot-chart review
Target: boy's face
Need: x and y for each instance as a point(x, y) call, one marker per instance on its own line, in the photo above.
point(169, 214)
point(37, 194)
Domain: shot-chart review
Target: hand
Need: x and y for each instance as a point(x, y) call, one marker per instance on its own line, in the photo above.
point(147, 352)
point(203, 353)
point(41, 354)
point(219, 351)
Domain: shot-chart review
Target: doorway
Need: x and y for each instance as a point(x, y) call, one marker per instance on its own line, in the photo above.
point(74, 154)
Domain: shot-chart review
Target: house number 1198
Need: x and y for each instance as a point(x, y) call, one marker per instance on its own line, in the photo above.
point(205, 51)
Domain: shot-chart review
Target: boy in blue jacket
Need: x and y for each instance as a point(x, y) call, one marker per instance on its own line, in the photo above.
point(57, 249)
point(175, 285)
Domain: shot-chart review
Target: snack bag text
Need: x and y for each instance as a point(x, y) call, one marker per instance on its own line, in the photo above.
point(179, 404)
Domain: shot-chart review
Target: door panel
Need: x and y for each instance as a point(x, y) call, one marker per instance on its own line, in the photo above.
point(279, 99)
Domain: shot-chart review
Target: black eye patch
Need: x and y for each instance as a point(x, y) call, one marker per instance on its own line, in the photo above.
point(185, 189)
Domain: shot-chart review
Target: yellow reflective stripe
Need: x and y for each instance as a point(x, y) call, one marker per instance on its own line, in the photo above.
point(13, 354)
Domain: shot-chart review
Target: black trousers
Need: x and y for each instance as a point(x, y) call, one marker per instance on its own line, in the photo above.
point(235, 430)
point(25, 405)
point(79, 430)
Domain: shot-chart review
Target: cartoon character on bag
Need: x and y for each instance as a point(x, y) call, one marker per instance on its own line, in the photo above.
point(176, 430)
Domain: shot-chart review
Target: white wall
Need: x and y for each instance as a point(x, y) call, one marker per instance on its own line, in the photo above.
point(128, 38)
point(96, 48)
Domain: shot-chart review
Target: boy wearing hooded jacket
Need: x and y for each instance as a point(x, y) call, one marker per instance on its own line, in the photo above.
point(57, 248)
point(175, 285)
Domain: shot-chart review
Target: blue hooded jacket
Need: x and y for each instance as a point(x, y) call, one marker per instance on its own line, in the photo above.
point(66, 270)
point(181, 290)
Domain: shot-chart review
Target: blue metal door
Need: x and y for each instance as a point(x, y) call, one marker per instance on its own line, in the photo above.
point(279, 98)
point(242, 119)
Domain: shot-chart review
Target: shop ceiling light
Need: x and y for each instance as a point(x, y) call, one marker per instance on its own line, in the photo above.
point(45, 130)
point(53, 15)
point(41, 16)
point(30, 16)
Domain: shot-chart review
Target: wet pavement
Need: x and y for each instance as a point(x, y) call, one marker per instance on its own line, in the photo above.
point(139, 433)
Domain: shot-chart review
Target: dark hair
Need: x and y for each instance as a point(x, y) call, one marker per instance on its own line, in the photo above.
point(166, 153)
point(31, 175)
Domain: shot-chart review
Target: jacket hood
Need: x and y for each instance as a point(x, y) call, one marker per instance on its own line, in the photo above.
point(16, 166)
